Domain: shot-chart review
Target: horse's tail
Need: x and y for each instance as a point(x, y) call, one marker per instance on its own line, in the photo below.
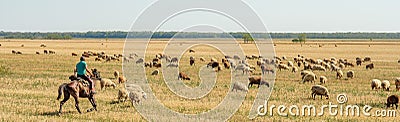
point(60, 90)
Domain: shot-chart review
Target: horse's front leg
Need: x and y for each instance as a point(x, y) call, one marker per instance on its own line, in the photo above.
point(93, 102)
point(66, 97)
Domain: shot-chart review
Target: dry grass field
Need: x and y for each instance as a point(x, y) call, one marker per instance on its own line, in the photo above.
point(29, 81)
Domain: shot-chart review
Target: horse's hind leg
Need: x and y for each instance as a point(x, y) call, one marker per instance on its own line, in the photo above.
point(77, 103)
point(93, 101)
point(66, 97)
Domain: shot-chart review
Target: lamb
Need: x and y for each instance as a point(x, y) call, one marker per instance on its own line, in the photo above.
point(45, 52)
point(155, 72)
point(318, 67)
point(392, 100)
point(116, 74)
point(239, 86)
point(376, 84)
point(257, 80)
point(104, 82)
point(319, 90)
point(183, 76)
point(350, 74)
point(339, 74)
point(121, 79)
point(397, 83)
point(369, 66)
point(385, 85)
point(323, 79)
point(309, 77)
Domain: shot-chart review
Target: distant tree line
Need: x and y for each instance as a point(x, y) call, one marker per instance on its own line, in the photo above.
point(147, 34)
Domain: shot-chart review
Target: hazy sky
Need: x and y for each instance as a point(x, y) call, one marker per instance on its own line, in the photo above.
point(278, 15)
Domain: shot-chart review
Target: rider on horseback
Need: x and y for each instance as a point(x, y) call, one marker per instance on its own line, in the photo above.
point(80, 71)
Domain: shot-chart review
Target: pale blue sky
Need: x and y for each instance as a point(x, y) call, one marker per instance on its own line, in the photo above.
point(278, 15)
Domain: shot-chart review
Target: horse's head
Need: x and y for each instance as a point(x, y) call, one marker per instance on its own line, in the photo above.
point(73, 77)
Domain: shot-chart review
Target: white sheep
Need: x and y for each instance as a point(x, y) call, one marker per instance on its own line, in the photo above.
point(319, 90)
point(105, 82)
point(136, 93)
point(339, 74)
point(350, 74)
point(239, 86)
point(323, 79)
point(376, 84)
point(283, 66)
point(304, 73)
point(385, 85)
point(309, 77)
point(318, 67)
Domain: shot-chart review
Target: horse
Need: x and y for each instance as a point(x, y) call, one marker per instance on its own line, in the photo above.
point(76, 89)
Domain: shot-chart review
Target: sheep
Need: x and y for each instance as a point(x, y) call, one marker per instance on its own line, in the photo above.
point(22, 45)
point(43, 45)
point(227, 65)
point(191, 51)
point(213, 60)
point(319, 90)
point(309, 77)
point(52, 52)
point(283, 66)
point(74, 54)
point(318, 67)
point(350, 74)
point(172, 65)
point(97, 59)
point(385, 85)
point(174, 59)
point(339, 74)
point(239, 86)
point(305, 72)
point(192, 62)
point(19, 52)
point(155, 72)
point(38, 53)
point(323, 79)
point(123, 95)
point(397, 83)
point(157, 65)
point(369, 66)
point(136, 96)
point(236, 57)
point(13, 52)
point(341, 66)
point(121, 79)
point(116, 74)
point(376, 84)
point(367, 59)
point(214, 65)
point(290, 64)
point(45, 52)
point(398, 61)
point(155, 61)
point(257, 80)
point(104, 82)
point(266, 69)
point(294, 69)
point(248, 70)
point(183, 76)
point(140, 60)
point(202, 59)
point(358, 61)
point(392, 100)
point(148, 64)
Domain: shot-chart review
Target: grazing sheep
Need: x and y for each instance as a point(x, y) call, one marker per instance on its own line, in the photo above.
point(305, 72)
point(367, 59)
point(22, 45)
point(376, 84)
point(192, 62)
point(350, 74)
point(104, 82)
point(155, 72)
point(97, 59)
point(248, 70)
point(257, 80)
point(319, 90)
point(191, 51)
point(43, 45)
point(385, 85)
point(74, 54)
point(148, 64)
point(318, 67)
point(392, 100)
point(52, 52)
point(227, 65)
point(309, 78)
point(136, 96)
point(45, 52)
point(172, 65)
point(398, 61)
point(38, 53)
point(174, 60)
point(397, 83)
point(341, 66)
point(236, 57)
point(283, 66)
point(19, 52)
point(213, 60)
point(183, 76)
point(214, 65)
point(323, 79)
point(266, 69)
point(339, 74)
point(140, 60)
point(239, 86)
point(157, 65)
point(202, 59)
point(358, 61)
point(116, 74)
point(290, 64)
point(121, 79)
point(123, 95)
point(294, 69)
point(155, 61)
point(13, 52)
point(369, 66)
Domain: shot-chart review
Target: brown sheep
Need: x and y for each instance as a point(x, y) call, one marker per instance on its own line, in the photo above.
point(116, 74)
point(37, 53)
point(19, 52)
point(121, 79)
point(74, 54)
point(192, 62)
point(122, 95)
point(183, 76)
point(157, 65)
point(45, 52)
point(257, 80)
point(367, 59)
point(392, 100)
point(155, 72)
point(13, 52)
point(227, 65)
point(213, 65)
point(191, 51)
point(339, 74)
point(369, 66)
